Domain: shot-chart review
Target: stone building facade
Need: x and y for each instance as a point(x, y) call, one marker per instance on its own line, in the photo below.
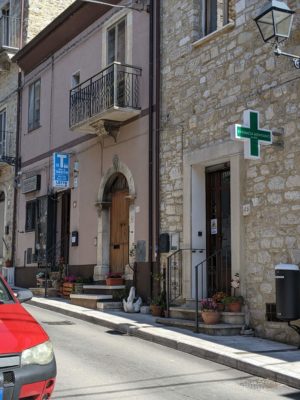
point(208, 81)
point(14, 23)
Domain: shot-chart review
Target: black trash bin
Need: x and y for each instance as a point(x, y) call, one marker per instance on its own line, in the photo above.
point(287, 278)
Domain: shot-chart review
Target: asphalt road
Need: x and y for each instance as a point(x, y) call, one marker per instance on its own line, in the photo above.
point(95, 363)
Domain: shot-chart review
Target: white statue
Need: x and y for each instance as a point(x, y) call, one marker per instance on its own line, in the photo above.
point(132, 305)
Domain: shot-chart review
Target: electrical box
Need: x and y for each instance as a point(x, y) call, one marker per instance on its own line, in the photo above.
point(74, 238)
point(164, 243)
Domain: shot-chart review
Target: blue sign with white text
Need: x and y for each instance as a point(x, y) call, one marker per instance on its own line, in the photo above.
point(61, 170)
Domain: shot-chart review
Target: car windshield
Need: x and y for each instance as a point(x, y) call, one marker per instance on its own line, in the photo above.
point(5, 296)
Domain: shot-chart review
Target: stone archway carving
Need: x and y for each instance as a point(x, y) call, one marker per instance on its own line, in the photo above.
point(103, 208)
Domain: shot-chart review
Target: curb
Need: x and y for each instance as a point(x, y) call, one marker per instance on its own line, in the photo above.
point(141, 332)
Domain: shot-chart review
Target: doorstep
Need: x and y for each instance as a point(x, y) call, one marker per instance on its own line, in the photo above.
point(221, 329)
point(88, 300)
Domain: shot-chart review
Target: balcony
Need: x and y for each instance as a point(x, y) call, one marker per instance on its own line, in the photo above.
point(9, 40)
point(107, 99)
point(7, 148)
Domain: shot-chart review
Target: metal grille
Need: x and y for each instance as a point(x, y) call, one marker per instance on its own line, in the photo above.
point(116, 86)
point(8, 378)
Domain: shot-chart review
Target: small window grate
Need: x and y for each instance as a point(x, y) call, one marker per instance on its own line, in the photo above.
point(9, 378)
point(271, 312)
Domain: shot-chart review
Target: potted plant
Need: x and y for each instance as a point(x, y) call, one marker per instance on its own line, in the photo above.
point(209, 311)
point(68, 285)
point(78, 285)
point(218, 298)
point(8, 263)
point(114, 279)
point(233, 303)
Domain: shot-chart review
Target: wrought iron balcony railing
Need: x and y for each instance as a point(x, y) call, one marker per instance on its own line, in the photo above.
point(9, 33)
point(111, 94)
point(7, 147)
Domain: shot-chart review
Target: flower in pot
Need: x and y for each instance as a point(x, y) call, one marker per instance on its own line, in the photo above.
point(78, 285)
point(114, 279)
point(158, 304)
point(209, 311)
point(233, 303)
point(218, 298)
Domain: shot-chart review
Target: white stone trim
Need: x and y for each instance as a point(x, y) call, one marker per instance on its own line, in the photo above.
point(211, 36)
point(103, 233)
point(194, 164)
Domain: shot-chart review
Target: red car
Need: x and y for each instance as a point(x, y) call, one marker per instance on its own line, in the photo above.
point(27, 362)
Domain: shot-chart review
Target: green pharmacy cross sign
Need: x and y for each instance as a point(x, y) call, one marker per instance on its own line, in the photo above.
point(251, 135)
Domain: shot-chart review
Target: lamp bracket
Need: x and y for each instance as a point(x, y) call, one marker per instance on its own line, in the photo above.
point(296, 59)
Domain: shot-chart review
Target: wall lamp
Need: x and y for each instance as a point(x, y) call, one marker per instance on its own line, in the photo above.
point(274, 22)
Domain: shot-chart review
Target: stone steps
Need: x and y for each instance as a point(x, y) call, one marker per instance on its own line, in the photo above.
point(109, 305)
point(188, 313)
point(102, 289)
point(89, 300)
point(221, 329)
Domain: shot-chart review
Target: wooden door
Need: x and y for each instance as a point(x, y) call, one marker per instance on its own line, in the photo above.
point(218, 231)
point(119, 231)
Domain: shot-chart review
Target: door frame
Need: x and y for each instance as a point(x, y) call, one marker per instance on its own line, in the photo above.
point(194, 217)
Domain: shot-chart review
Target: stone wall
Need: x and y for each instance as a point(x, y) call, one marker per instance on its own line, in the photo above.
point(206, 86)
point(39, 13)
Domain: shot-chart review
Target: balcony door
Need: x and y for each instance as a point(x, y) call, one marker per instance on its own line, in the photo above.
point(116, 48)
point(5, 26)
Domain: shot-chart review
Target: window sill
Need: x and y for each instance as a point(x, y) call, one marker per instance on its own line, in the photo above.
point(34, 128)
point(226, 28)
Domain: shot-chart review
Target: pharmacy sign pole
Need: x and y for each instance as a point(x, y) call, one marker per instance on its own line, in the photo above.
point(251, 134)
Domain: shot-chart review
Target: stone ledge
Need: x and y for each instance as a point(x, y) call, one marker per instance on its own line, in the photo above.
point(226, 28)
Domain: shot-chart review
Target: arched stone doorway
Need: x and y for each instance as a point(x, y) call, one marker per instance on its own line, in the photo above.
point(116, 221)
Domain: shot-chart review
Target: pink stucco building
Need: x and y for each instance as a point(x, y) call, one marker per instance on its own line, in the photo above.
point(86, 143)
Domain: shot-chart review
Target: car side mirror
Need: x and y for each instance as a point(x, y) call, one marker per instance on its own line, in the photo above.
point(22, 294)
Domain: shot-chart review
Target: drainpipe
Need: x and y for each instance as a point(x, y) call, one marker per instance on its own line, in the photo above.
point(151, 78)
point(157, 129)
point(17, 160)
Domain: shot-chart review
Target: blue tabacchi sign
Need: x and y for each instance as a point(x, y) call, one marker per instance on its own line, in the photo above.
point(61, 170)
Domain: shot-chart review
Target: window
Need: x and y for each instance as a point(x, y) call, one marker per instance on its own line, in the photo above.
point(116, 42)
point(2, 132)
point(5, 25)
point(75, 79)
point(30, 216)
point(34, 105)
point(216, 15)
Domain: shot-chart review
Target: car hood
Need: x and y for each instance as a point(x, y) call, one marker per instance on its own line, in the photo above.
point(18, 329)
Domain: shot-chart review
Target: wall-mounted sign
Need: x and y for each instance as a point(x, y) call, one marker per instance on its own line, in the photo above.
point(31, 184)
point(214, 226)
point(61, 170)
point(251, 134)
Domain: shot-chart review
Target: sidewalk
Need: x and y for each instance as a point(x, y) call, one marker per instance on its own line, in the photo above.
point(272, 360)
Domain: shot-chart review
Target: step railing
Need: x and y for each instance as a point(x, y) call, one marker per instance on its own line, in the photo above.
point(214, 274)
point(174, 274)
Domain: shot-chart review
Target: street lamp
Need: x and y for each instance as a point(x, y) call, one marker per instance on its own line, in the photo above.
point(274, 22)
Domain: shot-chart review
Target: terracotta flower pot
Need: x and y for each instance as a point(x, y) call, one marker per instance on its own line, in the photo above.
point(114, 281)
point(210, 317)
point(234, 307)
point(156, 310)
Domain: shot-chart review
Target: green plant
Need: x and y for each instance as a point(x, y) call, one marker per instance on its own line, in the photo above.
point(160, 300)
point(233, 299)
